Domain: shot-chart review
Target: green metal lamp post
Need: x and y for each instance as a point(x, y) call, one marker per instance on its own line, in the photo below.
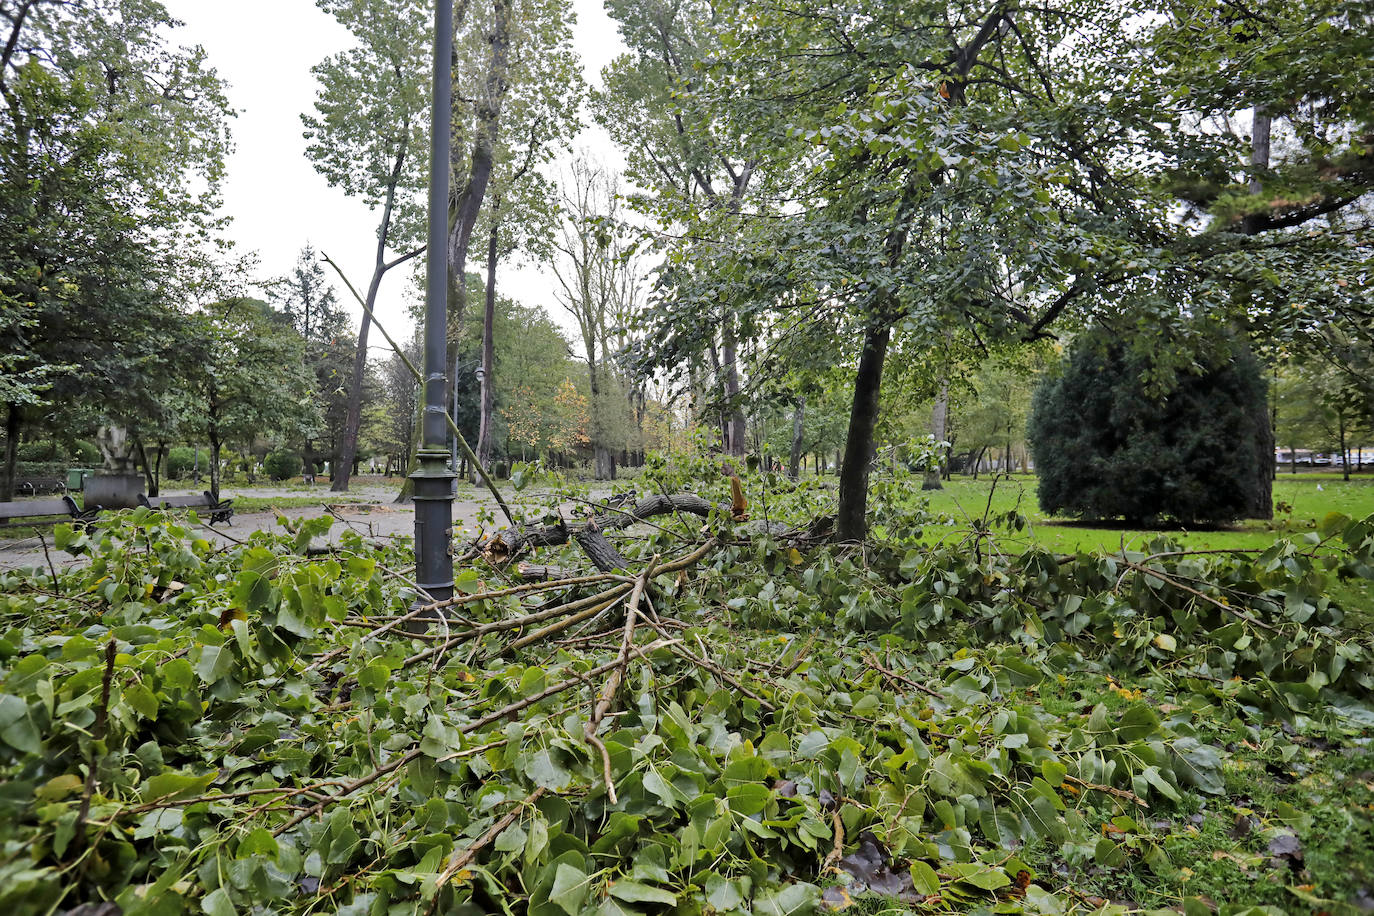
point(434, 476)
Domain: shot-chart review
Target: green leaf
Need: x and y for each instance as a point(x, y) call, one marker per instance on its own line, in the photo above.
point(217, 903)
point(978, 875)
point(924, 879)
point(748, 799)
point(16, 726)
point(173, 786)
point(793, 900)
point(215, 663)
point(258, 842)
point(545, 771)
point(142, 700)
point(635, 892)
point(570, 888)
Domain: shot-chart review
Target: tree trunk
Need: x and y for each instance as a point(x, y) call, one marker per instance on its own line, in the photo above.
point(603, 464)
point(467, 204)
point(794, 459)
point(851, 523)
point(939, 416)
point(13, 425)
point(405, 497)
point(1345, 456)
point(488, 356)
point(344, 465)
point(722, 418)
point(214, 463)
point(157, 469)
point(730, 356)
point(1259, 159)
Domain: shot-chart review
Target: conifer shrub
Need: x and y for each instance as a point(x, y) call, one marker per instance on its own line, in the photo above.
point(1111, 441)
point(282, 464)
point(181, 462)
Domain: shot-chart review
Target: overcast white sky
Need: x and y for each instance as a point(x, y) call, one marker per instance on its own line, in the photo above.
point(264, 49)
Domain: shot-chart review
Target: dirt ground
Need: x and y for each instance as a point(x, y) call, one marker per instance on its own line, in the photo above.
point(367, 509)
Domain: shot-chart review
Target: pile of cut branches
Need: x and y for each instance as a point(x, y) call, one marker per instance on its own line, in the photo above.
point(732, 719)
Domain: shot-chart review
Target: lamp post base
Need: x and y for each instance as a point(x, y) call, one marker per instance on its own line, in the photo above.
point(433, 526)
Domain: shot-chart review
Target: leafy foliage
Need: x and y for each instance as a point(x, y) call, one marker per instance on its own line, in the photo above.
point(1108, 443)
point(184, 727)
point(282, 464)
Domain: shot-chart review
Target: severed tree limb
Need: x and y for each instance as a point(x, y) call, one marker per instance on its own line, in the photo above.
point(612, 685)
point(531, 573)
point(612, 520)
point(599, 550)
point(469, 728)
point(872, 661)
point(462, 859)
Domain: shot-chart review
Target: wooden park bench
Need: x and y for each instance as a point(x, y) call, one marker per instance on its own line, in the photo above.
point(45, 512)
point(32, 486)
point(221, 510)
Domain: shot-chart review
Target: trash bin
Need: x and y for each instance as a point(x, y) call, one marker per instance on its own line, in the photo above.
point(76, 478)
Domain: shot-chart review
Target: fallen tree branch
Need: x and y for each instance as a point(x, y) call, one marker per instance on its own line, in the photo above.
point(462, 859)
point(1170, 580)
point(475, 725)
point(612, 685)
point(1108, 790)
point(872, 661)
point(612, 520)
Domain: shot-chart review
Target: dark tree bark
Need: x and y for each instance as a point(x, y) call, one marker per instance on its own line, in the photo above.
point(1345, 455)
point(851, 521)
point(343, 467)
point(467, 204)
point(735, 424)
point(14, 423)
point(488, 355)
point(214, 461)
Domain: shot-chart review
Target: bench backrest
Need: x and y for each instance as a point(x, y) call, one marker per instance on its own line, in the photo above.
point(35, 508)
point(195, 501)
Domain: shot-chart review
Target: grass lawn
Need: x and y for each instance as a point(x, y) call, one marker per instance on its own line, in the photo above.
point(1301, 505)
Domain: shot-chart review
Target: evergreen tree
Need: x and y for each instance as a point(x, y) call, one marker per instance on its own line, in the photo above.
point(1113, 439)
point(308, 302)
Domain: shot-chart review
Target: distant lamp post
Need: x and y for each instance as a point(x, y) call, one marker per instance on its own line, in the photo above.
point(434, 477)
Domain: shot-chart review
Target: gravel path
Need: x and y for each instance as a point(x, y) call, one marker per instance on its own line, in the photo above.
point(367, 509)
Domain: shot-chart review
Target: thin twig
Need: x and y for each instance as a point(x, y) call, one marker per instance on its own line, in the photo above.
point(1109, 790)
point(56, 584)
point(462, 859)
point(837, 848)
point(872, 661)
point(612, 685)
point(97, 736)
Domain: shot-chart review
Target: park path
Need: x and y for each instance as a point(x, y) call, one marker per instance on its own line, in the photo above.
point(367, 509)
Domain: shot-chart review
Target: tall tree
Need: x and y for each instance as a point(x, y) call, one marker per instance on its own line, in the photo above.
point(696, 171)
point(540, 116)
point(309, 303)
point(248, 377)
point(112, 145)
point(367, 137)
point(596, 274)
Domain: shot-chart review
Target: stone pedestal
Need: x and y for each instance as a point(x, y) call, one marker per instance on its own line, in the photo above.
point(111, 490)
